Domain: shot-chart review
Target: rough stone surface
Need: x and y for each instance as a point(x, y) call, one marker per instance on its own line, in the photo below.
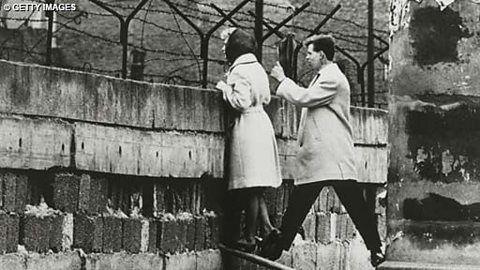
point(12, 262)
point(123, 261)
point(434, 158)
point(304, 256)
point(9, 231)
point(54, 261)
point(209, 259)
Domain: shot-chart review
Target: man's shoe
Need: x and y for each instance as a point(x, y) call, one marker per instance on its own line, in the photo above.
point(376, 258)
point(271, 247)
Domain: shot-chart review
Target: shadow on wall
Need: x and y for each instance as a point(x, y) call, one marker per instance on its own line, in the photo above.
point(436, 207)
point(445, 145)
point(435, 35)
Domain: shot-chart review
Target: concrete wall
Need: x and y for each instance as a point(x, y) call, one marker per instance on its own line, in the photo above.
point(433, 180)
point(113, 167)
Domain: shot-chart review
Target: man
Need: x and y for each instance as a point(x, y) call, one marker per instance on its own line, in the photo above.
point(326, 154)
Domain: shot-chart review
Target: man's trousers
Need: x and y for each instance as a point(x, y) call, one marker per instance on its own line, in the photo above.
point(350, 194)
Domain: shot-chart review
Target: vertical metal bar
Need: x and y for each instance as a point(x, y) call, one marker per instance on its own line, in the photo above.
point(259, 28)
point(48, 60)
point(204, 55)
point(124, 41)
point(371, 63)
point(124, 24)
point(361, 80)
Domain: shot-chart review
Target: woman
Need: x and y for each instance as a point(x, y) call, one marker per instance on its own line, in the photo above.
point(253, 159)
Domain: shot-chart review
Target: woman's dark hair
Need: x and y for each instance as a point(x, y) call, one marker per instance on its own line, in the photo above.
point(239, 43)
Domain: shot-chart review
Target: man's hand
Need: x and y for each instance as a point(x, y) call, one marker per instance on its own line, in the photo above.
point(277, 72)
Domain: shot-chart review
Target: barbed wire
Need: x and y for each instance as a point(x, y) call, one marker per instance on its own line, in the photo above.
point(325, 14)
point(181, 61)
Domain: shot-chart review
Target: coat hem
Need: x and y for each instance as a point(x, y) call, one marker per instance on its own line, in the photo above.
point(301, 181)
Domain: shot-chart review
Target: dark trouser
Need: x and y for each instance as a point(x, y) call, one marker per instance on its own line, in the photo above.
point(351, 196)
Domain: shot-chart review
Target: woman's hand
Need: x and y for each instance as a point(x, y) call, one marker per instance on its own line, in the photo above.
point(221, 85)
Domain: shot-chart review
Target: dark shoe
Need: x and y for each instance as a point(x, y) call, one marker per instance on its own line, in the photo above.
point(376, 258)
point(271, 247)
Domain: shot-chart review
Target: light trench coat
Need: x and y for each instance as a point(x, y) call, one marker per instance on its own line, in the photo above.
point(325, 136)
point(253, 160)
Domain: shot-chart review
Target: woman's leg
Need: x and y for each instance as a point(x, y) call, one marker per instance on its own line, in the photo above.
point(264, 218)
point(251, 215)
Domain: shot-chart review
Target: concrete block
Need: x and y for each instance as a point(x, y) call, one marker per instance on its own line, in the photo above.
point(201, 225)
point(358, 257)
point(159, 200)
point(212, 232)
point(190, 234)
point(286, 258)
point(88, 233)
point(34, 143)
point(333, 202)
point(168, 236)
point(59, 261)
point(209, 259)
point(321, 202)
point(341, 227)
point(150, 153)
point(323, 226)
point(330, 256)
point(112, 234)
point(304, 256)
point(56, 236)
point(9, 232)
point(14, 192)
point(92, 198)
point(152, 235)
point(351, 230)
point(66, 191)
point(382, 226)
point(183, 261)
point(41, 233)
point(372, 163)
point(124, 261)
point(309, 226)
point(370, 126)
point(67, 232)
point(12, 262)
point(36, 233)
point(132, 235)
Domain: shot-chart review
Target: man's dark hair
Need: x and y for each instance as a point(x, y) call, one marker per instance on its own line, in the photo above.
point(322, 43)
point(239, 43)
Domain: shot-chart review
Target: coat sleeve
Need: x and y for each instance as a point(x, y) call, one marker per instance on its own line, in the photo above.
point(238, 93)
point(319, 94)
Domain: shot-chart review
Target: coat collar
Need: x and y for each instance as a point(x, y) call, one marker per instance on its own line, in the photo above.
point(327, 67)
point(322, 69)
point(243, 59)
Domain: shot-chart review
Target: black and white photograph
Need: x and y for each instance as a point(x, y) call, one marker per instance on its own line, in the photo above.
point(239, 134)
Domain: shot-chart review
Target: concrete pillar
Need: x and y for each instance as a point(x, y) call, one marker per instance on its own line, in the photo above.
point(433, 208)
